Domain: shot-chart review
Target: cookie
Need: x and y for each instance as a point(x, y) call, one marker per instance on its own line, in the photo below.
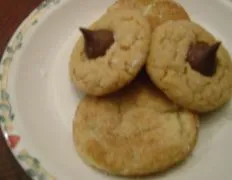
point(136, 131)
point(156, 11)
point(190, 66)
point(121, 62)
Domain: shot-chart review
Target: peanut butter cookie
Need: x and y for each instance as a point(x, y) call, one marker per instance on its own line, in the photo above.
point(136, 131)
point(111, 53)
point(156, 11)
point(190, 66)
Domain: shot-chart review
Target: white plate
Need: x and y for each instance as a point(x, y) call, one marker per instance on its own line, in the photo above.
point(37, 100)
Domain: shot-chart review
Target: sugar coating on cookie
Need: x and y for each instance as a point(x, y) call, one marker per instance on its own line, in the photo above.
point(156, 11)
point(135, 132)
point(122, 61)
point(169, 70)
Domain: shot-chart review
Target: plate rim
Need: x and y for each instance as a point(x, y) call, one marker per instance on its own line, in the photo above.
point(29, 163)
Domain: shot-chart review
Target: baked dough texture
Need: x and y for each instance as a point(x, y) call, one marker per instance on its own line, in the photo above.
point(134, 132)
point(169, 70)
point(122, 61)
point(156, 11)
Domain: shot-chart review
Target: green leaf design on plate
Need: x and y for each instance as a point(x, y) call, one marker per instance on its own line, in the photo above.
point(34, 22)
point(18, 43)
point(7, 60)
point(22, 157)
point(10, 50)
point(18, 46)
point(47, 3)
point(31, 173)
point(43, 5)
point(12, 116)
point(4, 107)
point(4, 95)
point(36, 163)
point(2, 119)
point(7, 108)
point(19, 36)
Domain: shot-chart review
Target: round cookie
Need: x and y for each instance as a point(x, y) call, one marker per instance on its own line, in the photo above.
point(169, 69)
point(134, 132)
point(122, 61)
point(156, 11)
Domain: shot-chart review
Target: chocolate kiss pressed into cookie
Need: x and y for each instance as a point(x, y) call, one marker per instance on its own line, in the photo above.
point(202, 57)
point(97, 42)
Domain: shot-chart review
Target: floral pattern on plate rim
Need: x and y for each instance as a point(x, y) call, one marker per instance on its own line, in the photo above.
point(31, 164)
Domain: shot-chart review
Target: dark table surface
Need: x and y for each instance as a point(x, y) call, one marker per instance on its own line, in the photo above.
point(12, 13)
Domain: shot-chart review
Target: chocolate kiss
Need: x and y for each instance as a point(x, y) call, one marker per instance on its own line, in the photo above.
point(202, 58)
point(97, 42)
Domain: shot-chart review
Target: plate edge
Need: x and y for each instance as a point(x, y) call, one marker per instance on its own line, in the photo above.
point(30, 164)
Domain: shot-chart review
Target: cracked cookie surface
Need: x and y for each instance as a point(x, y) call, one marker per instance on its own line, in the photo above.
point(169, 70)
point(136, 131)
point(122, 61)
point(156, 11)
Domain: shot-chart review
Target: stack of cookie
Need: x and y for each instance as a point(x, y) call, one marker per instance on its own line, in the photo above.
point(147, 70)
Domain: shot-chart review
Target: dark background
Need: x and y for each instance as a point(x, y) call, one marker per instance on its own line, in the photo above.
point(12, 13)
